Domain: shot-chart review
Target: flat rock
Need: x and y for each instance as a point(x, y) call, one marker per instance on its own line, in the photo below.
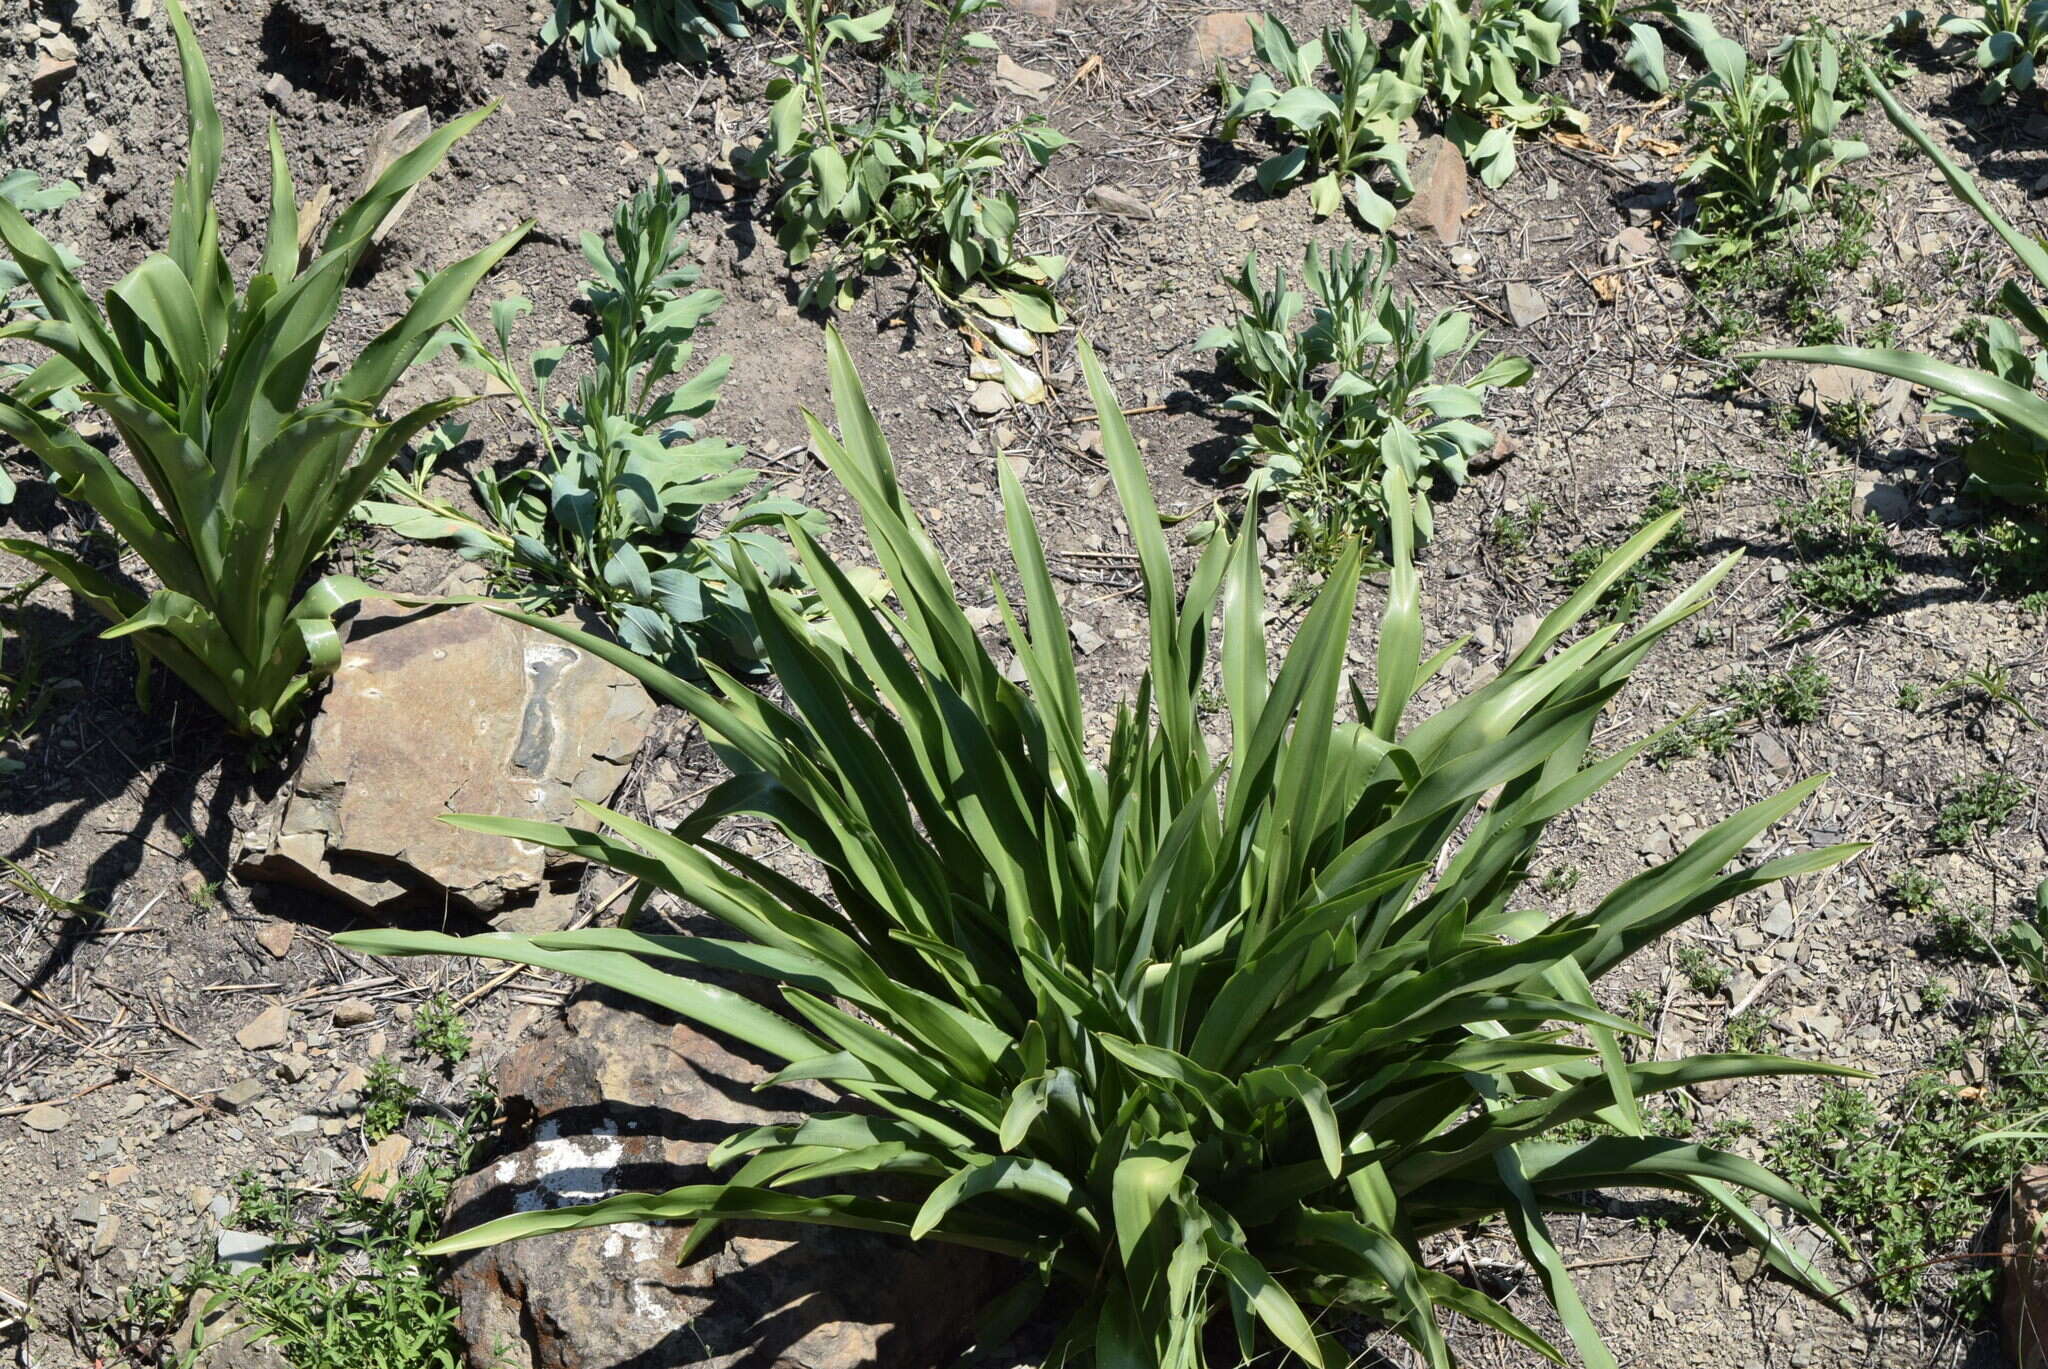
point(1221, 37)
point(611, 1098)
point(1022, 80)
point(1110, 199)
point(1442, 193)
point(456, 711)
point(1526, 305)
point(46, 1117)
point(265, 1031)
point(277, 939)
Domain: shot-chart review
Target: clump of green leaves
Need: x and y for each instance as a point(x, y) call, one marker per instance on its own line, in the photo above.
point(603, 32)
point(345, 1286)
point(1849, 566)
point(1472, 63)
point(1793, 696)
point(1906, 1174)
point(2012, 40)
point(244, 481)
point(438, 1030)
point(1210, 1026)
point(1978, 807)
point(894, 185)
point(1703, 973)
point(1788, 278)
point(1765, 141)
point(1639, 20)
point(1915, 892)
point(1624, 599)
point(2007, 454)
point(2008, 555)
point(1340, 134)
point(614, 515)
point(1365, 388)
point(387, 1100)
point(1513, 531)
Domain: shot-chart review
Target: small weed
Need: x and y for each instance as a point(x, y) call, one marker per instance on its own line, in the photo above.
point(1793, 696)
point(1910, 698)
point(1979, 807)
point(1747, 1030)
point(1935, 995)
point(1898, 1175)
point(1559, 879)
point(2008, 556)
point(439, 1030)
point(1915, 892)
point(346, 1290)
point(387, 1101)
point(1653, 574)
point(1849, 566)
point(1703, 973)
point(1514, 533)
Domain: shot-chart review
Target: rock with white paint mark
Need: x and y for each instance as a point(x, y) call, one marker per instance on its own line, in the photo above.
point(615, 1097)
point(457, 711)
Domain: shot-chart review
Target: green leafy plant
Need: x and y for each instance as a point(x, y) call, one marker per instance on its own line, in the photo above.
point(27, 194)
point(1200, 1036)
point(1793, 696)
point(2007, 454)
point(1703, 973)
point(1340, 134)
point(1363, 389)
point(1978, 807)
point(343, 1286)
point(613, 515)
point(2012, 39)
point(597, 32)
point(1471, 62)
point(1639, 19)
point(1913, 1173)
point(387, 1100)
point(244, 482)
point(896, 186)
point(1848, 563)
point(1766, 142)
point(438, 1029)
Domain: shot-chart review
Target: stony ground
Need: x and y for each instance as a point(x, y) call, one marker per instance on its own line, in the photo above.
point(188, 1028)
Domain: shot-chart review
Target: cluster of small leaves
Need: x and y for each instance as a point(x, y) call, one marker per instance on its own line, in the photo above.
point(1766, 142)
point(1338, 135)
point(900, 185)
point(1703, 973)
point(1471, 63)
point(387, 1100)
point(1908, 1177)
point(1793, 696)
point(1978, 807)
point(344, 1286)
point(1366, 387)
point(1849, 566)
point(2012, 39)
point(603, 32)
point(613, 514)
point(1639, 20)
point(1787, 278)
point(1651, 575)
point(2008, 555)
point(439, 1031)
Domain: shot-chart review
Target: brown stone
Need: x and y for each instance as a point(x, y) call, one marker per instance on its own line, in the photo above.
point(381, 1165)
point(453, 711)
point(277, 939)
point(51, 73)
point(266, 1030)
point(2023, 1287)
point(1221, 37)
point(614, 1097)
point(1442, 193)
